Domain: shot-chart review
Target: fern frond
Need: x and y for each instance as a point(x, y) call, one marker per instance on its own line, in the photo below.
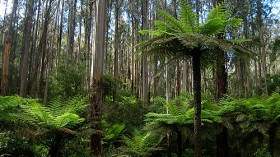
point(141, 144)
point(67, 120)
point(188, 18)
point(114, 132)
point(8, 107)
point(232, 23)
point(219, 11)
point(175, 25)
point(213, 27)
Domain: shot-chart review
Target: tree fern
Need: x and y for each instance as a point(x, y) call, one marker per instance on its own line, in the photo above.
point(177, 36)
point(141, 144)
point(55, 122)
point(8, 108)
point(57, 114)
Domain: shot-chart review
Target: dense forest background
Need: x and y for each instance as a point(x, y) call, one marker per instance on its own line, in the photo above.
point(81, 78)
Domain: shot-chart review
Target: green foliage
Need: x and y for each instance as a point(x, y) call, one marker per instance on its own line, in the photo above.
point(31, 128)
point(125, 110)
point(142, 144)
point(249, 114)
point(157, 105)
point(179, 38)
point(8, 107)
point(67, 79)
point(40, 125)
point(110, 84)
point(180, 112)
point(113, 132)
point(275, 50)
point(14, 145)
point(262, 152)
point(273, 83)
point(58, 114)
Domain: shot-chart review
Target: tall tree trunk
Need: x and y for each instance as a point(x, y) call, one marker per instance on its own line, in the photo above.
point(221, 83)
point(39, 65)
point(262, 53)
point(155, 77)
point(144, 58)
point(196, 57)
point(97, 95)
point(178, 69)
point(49, 65)
point(221, 75)
point(4, 22)
point(167, 83)
point(178, 78)
point(59, 39)
point(87, 44)
point(12, 31)
point(117, 41)
point(117, 44)
point(185, 83)
point(5, 65)
point(132, 51)
point(26, 48)
point(71, 27)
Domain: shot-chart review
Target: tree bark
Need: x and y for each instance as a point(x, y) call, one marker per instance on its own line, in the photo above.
point(55, 146)
point(59, 39)
point(271, 133)
point(117, 40)
point(179, 144)
point(48, 69)
point(5, 65)
point(39, 66)
point(262, 54)
point(132, 51)
point(97, 95)
point(196, 57)
point(12, 33)
point(221, 86)
point(144, 58)
point(25, 49)
point(221, 75)
point(71, 27)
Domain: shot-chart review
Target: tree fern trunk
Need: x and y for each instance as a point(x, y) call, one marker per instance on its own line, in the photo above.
point(169, 149)
point(55, 146)
point(271, 134)
point(197, 101)
point(179, 144)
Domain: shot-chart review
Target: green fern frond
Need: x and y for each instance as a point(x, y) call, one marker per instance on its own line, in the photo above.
point(219, 11)
point(232, 23)
point(141, 144)
point(56, 106)
point(58, 113)
point(175, 25)
point(67, 120)
point(9, 106)
point(213, 27)
point(113, 132)
point(39, 114)
point(188, 18)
